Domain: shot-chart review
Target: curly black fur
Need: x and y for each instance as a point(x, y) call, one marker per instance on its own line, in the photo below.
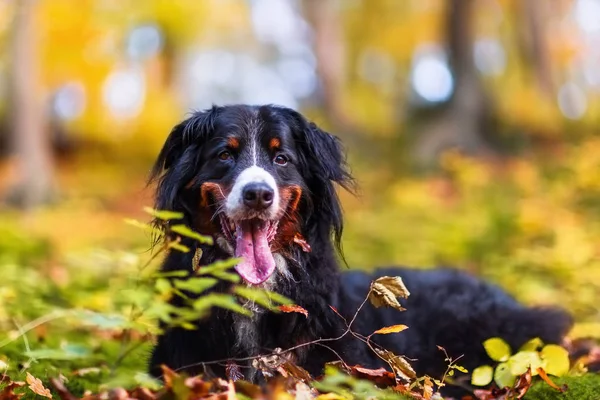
point(446, 308)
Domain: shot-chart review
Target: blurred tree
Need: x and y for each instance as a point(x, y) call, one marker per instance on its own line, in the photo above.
point(30, 141)
point(328, 41)
point(461, 123)
point(533, 46)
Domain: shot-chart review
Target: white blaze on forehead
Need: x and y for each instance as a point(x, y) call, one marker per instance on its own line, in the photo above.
point(234, 206)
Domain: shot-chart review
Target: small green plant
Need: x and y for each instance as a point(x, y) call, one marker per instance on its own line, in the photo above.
point(551, 358)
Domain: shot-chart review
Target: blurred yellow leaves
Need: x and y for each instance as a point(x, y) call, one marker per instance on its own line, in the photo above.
point(527, 224)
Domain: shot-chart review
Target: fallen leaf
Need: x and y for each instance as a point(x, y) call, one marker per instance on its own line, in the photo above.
point(385, 290)
point(522, 385)
point(37, 386)
point(547, 379)
point(381, 376)
point(427, 388)
point(143, 394)
point(299, 240)
point(390, 329)
point(292, 308)
point(8, 392)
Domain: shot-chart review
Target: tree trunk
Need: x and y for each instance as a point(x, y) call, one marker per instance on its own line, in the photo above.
point(533, 43)
point(328, 44)
point(29, 136)
point(461, 123)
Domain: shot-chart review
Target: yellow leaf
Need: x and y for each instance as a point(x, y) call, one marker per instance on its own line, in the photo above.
point(482, 376)
point(497, 349)
point(556, 359)
point(390, 329)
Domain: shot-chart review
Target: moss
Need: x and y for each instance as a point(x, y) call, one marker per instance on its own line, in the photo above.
point(585, 387)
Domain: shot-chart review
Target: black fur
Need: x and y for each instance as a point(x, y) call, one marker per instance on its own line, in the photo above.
point(446, 308)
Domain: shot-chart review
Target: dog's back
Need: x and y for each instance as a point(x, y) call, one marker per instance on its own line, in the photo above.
point(451, 309)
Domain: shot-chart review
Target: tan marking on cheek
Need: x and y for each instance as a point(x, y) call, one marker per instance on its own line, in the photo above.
point(274, 144)
point(233, 143)
point(291, 195)
point(211, 188)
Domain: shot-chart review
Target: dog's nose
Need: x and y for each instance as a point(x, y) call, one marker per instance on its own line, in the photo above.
point(258, 196)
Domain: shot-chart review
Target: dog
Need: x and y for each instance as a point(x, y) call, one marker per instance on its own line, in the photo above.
point(261, 180)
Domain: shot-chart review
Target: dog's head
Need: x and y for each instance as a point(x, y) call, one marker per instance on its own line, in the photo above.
point(258, 178)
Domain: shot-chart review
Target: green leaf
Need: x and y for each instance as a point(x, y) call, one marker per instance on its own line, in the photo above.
point(532, 345)
point(184, 230)
point(267, 299)
point(482, 376)
point(556, 359)
point(221, 265)
point(503, 377)
point(497, 349)
point(195, 285)
point(256, 293)
point(146, 227)
point(68, 352)
point(103, 321)
point(461, 369)
point(163, 286)
point(226, 276)
point(522, 360)
point(220, 300)
point(145, 380)
point(164, 214)
point(172, 274)
point(178, 246)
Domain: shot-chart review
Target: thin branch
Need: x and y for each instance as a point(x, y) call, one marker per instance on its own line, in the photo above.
point(313, 342)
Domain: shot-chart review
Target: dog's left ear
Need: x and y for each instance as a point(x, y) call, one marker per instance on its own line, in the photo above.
point(323, 163)
point(177, 161)
point(327, 157)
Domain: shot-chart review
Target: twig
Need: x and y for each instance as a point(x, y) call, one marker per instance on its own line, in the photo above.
point(313, 342)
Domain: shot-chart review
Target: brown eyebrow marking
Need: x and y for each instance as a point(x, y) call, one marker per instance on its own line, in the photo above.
point(274, 143)
point(233, 143)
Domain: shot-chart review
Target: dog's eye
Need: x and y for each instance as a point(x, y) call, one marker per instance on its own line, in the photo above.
point(224, 155)
point(280, 160)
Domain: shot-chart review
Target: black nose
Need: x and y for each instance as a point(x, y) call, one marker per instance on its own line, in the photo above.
point(258, 196)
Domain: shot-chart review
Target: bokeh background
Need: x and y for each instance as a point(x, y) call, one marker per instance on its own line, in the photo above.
point(471, 126)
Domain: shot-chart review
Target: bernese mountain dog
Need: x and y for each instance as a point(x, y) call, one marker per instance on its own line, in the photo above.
point(261, 180)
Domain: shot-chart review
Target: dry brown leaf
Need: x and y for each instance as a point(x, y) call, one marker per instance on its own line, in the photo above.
point(381, 376)
point(523, 384)
point(293, 309)
point(143, 394)
point(390, 329)
point(385, 291)
point(8, 392)
point(427, 388)
point(399, 365)
point(37, 386)
point(300, 241)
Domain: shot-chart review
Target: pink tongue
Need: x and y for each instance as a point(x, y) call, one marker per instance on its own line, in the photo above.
point(252, 245)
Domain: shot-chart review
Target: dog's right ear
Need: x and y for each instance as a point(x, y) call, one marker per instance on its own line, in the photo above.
point(177, 161)
point(188, 132)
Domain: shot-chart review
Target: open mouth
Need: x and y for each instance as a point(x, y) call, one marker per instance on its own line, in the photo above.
point(251, 240)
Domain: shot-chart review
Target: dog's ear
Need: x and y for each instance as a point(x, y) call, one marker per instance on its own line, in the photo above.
point(323, 163)
point(176, 164)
